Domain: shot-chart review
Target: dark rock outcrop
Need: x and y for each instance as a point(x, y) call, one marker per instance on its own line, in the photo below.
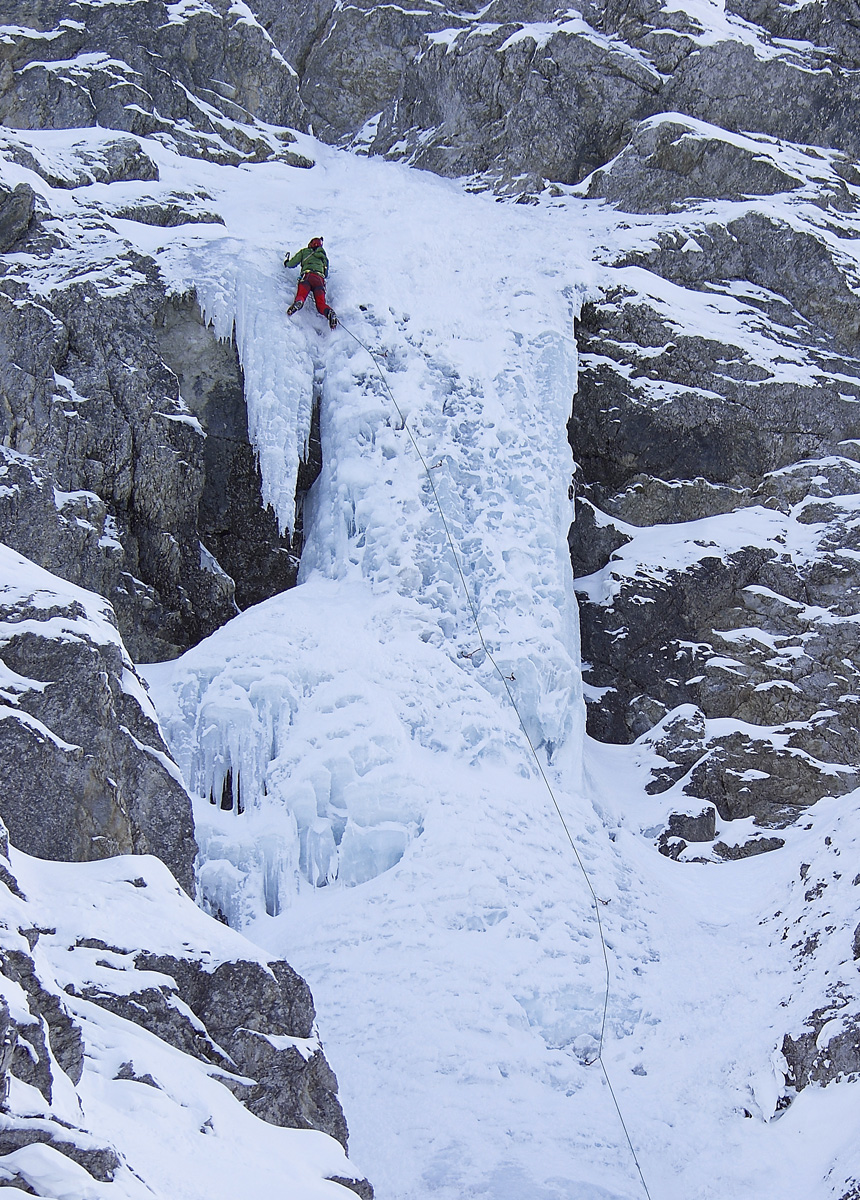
point(198, 76)
point(16, 213)
point(116, 160)
point(259, 1028)
point(93, 438)
point(109, 478)
point(253, 1022)
point(78, 724)
point(670, 164)
point(760, 845)
point(698, 828)
point(684, 422)
point(501, 101)
point(101, 1162)
point(813, 1059)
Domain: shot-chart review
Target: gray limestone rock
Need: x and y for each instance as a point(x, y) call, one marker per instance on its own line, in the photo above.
point(367, 48)
point(167, 214)
point(668, 164)
point(252, 1023)
point(69, 404)
point(8, 1045)
point(686, 827)
point(648, 500)
point(812, 1059)
point(671, 425)
point(108, 478)
point(745, 776)
point(623, 428)
point(101, 1162)
point(16, 213)
point(680, 738)
point(361, 1187)
point(683, 648)
point(516, 107)
point(119, 160)
point(797, 265)
point(85, 773)
point(67, 1047)
point(127, 1071)
point(256, 1023)
point(154, 1009)
point(694, 828)
point(115, 160)
point(761, 845)
point(499, 103)
point(791, 95)
point(593, 538)
point(200, 78)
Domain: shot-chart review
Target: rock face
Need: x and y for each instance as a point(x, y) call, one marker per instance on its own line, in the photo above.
point(195, 75)
point(76, 719)
point(16, 214)
point(110, 480)
point(113, 484)
point(718, 405)
point(241, 534)
point(238, 1020)
point(119, 453)
point(263, 1017)
point(669, 164)
point(521, 94)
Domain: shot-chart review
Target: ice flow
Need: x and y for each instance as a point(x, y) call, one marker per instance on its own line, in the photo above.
point(366, 799)
point(298, 725)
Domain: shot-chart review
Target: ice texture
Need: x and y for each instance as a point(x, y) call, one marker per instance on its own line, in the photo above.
point(305, 719)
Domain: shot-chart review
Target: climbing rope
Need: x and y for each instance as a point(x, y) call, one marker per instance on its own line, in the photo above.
point(506, 682)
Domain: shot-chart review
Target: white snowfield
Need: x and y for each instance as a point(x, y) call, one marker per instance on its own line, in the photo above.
point(390, 833)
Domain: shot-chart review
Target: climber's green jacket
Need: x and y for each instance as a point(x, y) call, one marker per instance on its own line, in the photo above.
point(315, 260)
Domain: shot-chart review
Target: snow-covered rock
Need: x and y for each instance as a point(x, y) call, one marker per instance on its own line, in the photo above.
point(139, 1037)
point(85, 773)
point(126, 466)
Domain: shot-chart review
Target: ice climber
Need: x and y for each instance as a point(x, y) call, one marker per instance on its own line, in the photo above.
point(313, 261)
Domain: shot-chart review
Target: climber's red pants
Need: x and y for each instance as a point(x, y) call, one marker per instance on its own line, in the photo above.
point(311, 282)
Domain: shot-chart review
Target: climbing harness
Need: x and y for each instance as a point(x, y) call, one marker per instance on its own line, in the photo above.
point(506, 681)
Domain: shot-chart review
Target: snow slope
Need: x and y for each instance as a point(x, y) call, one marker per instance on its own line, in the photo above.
point(367, 803)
